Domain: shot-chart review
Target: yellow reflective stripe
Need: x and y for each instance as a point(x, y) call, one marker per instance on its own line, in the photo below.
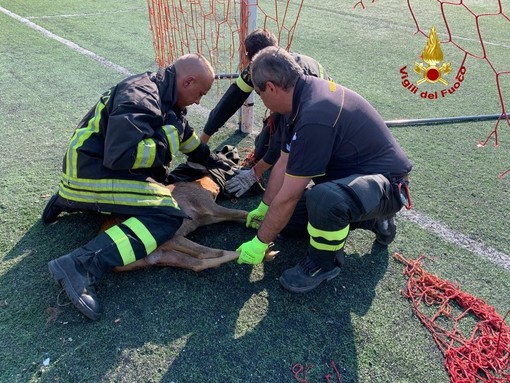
point(123, 245)
point(172, 135)
point(321, 71)
point(117, 198)
point(332, 86)
point(243, 85)
point(311, 176)
point(341, 107)
point(81, 135)
point(117, 185)
point(190, 144)
point(326, 247)
point(337, 235)
point(145, 154)
point(142, 233)
point(116, 192)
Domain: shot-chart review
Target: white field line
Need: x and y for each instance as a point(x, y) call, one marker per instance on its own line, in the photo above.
point(422, 220)
point(67, 43)
point(457, 238)
point(404, 27)
point(86, 14)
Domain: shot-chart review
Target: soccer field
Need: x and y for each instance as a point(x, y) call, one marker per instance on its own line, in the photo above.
point(235, 323)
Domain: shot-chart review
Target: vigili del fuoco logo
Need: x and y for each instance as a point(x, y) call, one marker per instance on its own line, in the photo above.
point(432, 70)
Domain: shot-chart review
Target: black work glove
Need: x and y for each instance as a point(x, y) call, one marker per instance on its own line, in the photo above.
point(221, 169)
point(218, 161)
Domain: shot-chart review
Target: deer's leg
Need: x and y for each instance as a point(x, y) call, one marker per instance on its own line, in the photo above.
point(140, 264)
point(207, 214)
point(217, 213)
point(175, 258)
point(193, 249)
point(227, 214)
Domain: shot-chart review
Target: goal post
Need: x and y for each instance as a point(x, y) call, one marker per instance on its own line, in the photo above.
point(216, 29)
point(248, 12)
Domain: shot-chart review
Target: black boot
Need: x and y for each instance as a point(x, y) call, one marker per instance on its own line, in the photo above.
point(307, 275)
point(52, 210)
point(78, 285)
point(385, 230)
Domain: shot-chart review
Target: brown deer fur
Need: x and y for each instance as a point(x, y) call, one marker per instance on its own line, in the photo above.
point(197, 200)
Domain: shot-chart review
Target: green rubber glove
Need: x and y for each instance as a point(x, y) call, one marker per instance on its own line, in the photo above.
point(252, 252)
point(255, 217)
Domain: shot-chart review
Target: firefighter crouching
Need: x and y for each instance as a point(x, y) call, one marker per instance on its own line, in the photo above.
point(336, 139)
point(117, 162)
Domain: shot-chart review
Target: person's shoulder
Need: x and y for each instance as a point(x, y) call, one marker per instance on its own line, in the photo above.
point(141, 80)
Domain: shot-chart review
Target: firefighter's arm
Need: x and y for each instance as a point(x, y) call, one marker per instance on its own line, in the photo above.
point(275, 143)
point(191, 145)
point(231, 101)
point(277, 216)
point(199, 152)
point(281, 208)
point(255, 217)
point(131, 141)
point(276, 178)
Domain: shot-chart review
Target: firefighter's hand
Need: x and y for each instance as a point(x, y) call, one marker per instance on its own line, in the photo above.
point(242, 182)
point(255, 217)
point(252, 252)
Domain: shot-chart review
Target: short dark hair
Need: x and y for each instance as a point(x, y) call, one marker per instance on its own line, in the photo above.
point(258, 40)
point(276, 65)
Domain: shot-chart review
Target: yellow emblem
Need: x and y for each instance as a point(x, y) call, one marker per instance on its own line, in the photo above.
point(432, 55)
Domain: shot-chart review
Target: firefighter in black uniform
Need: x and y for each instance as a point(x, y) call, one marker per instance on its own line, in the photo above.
point(337, 139)
point(116, 162)
point(267, 143)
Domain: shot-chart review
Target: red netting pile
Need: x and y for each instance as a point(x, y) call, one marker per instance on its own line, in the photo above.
point(480, 357)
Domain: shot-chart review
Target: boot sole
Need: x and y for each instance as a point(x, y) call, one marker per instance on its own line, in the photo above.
point(62, 279)
point(305, 289)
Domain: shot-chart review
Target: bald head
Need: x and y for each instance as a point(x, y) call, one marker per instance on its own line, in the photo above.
point(194, 77)
point(193, 64)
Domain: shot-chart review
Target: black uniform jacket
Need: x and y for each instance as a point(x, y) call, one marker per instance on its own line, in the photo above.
point(128, 138)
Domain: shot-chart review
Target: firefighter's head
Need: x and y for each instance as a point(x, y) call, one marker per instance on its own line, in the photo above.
point(258, 40)
point(194, 78)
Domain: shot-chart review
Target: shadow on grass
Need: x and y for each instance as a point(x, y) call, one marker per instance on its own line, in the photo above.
point(231, 324)
point(312, 329)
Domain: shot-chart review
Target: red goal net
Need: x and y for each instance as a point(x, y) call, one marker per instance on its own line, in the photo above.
point(216, 28)
point(471, 26)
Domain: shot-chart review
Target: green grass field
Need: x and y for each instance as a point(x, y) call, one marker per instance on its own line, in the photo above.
point(235, 323)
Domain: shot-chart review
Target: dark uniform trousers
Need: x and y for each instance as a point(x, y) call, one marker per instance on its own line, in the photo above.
point(133, 239)
point(329, 210)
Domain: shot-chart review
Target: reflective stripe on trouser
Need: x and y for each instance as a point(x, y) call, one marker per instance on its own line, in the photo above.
point(326, 239)
point(333, 207)
point(326, 245)
point(127, 242)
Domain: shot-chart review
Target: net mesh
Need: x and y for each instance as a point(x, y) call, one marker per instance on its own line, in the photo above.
point(449, 313)
point(481, 50)
point(487, 20)
point(216, 28)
